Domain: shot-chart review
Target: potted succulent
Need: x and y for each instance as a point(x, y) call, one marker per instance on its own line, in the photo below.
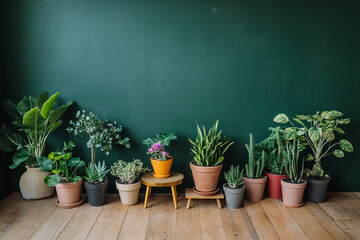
point(103, 135)
point(254, 180)
point(208, 150)
point(65, 176)
point(293, 186)
point(96, 183)
point(34, 119)
point(319, 135)
point(161, 161)
point(128, 182)
point(275, 159)
point(234, 188)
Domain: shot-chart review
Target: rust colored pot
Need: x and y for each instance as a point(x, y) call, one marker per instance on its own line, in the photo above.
point(206, 178)
point(292, 193)
point(254, 188)
point(274, 185)
point(161, 168)
point(69, 193)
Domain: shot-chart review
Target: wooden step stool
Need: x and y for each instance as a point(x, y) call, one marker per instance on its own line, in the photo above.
point(190, 194)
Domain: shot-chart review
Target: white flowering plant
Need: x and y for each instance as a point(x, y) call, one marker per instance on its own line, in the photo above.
point(102, 133)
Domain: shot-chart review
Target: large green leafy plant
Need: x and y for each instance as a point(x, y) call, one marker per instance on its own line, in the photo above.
point(102, 133)
point(209, 147)
point(34, 119)
point(318, 132)
point(128, 172)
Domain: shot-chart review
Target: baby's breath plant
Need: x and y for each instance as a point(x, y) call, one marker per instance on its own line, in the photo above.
point(128, 172)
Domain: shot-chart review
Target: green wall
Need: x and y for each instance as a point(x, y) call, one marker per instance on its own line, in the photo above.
point(157, 66)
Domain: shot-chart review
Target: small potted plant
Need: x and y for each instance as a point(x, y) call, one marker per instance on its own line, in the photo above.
point(96, 183)
point(320, 137)
point(293, 187)
point(128, 182)
point(161, 161)
point(208, 150)
point(34, 119)
point(65, 176)
point(234, 188)
point(103, 135)
point(254, 180)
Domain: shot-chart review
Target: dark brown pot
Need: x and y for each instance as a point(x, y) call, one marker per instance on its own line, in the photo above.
point(205, 178)
point(254, 188)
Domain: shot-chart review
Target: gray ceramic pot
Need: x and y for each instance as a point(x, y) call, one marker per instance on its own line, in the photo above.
point(234, 197)
point(316, 189)
point(96, 193)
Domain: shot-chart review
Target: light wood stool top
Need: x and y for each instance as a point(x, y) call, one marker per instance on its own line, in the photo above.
point(190, 194)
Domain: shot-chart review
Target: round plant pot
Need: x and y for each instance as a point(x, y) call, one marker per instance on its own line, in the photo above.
point(233, 196)
point(129, 193)
point(316, 189)
point(161, 168)
point(69, 193)
point(274, 185)
point(32, 185)
point(255, 188)
point(206, 178)
point(292, 193)
point(96, 193)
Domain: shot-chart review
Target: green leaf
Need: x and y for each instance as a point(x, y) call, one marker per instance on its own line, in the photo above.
point(26, 104)
point(5, 144)
point(13, 166)
point(315, 134)
point(11, 109)
point(346, 145)
point(48, 106)
point(18, 158)
point(46, 165)
point(344, 121)
point(55, 171)
point(76, 161)
point(338, 153)
point(332, 114)
point(310, 157)
point(54, 115)
point(300, 122)
point(303, 117)
point(53, 126)
point(32, 118)
point(281, 118)
point(52, 180)
point(75, 179)
point(14, 138)
point(41, 99)
point(339, 130)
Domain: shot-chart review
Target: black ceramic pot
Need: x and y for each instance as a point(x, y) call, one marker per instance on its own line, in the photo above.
point(96, 193)
point(316, 189)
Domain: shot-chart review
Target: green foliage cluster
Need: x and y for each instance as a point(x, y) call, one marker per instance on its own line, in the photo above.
point(96, 173)
point(254, 168)
point(162, 138)
point(209, 147)
point(234, 177)
point(292, 151)
point(128, 172)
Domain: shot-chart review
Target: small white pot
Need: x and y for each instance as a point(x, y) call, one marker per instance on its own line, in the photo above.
point(129, 193)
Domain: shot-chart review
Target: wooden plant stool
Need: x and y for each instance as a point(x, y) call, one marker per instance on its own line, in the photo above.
point(190, 194)
point(150, 181)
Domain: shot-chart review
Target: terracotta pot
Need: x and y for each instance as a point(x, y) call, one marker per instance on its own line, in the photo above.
point(316, 189)
point(69, 193)
point(129, 193)
point(292, 193)
point(32, 185)
point(161, 168)
point(274, 185)
point(254, 188)
point(206, 178)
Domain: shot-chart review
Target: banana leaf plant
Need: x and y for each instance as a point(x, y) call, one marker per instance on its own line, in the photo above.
point(34, 119)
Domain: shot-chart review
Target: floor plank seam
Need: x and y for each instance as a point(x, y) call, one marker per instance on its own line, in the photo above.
point(68, 222)
point(122, 224)
point(102, 209)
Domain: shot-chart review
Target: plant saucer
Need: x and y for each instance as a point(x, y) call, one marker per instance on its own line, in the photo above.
point(205, 193)
point(161, 176)
point(71, 205)
point(291, 206)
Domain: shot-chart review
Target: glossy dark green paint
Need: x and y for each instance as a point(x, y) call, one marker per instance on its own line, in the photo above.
point(158, 66)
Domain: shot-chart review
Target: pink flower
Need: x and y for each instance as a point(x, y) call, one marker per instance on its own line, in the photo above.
point(164, 153)
point(150, 150)
point(157, 146)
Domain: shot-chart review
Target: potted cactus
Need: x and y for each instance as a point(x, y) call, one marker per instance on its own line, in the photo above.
point(254, 180)
point(208, 150)
point(161, 161)
point(234, 188)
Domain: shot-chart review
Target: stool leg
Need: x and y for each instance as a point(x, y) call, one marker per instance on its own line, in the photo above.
point(176, 194)
point(150, 192)
point(146, 196)
point(173, 190)
point(188, 203)
point(218, 203)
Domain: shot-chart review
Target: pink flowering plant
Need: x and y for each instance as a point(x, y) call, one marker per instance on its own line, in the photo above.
point(157, 145)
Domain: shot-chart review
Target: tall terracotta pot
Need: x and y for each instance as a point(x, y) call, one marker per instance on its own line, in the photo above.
point(292, 193)
point(162, 168)
point(32, 185)
point(69, 193)
point(274, 185)
point(254, 188)
point(206, 178)
point(129, 193)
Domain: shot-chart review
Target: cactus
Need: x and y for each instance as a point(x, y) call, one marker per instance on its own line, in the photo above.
point(291, 152)
point(255, 167)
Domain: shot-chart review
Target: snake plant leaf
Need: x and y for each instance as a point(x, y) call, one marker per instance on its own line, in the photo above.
point(332, 114)
point(11, 109)
point(54, 115)
point(346, 145)
point(338, 153)
point(53, 126)
point(315, 133)
point(52, 180)
point(32, 118)
point(26, 104)
point(339, 130)
point(46, 165)
point(281, 118)
point(41, 99)
point(48, 105)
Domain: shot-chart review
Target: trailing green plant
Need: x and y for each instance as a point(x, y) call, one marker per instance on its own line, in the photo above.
point(292, 151)
point(254, 168)
point(63, 166)
point(96, 173)
point(128, 172)
point(102, 133)
point(209, 147)
point(319, 135)
point(157, 145)
point(34, 119)
point(234, 177)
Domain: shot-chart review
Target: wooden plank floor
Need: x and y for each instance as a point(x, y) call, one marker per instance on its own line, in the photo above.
point(337, 218)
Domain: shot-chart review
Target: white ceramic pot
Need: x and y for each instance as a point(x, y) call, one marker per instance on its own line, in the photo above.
point(32, 185)
point(129, 193)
